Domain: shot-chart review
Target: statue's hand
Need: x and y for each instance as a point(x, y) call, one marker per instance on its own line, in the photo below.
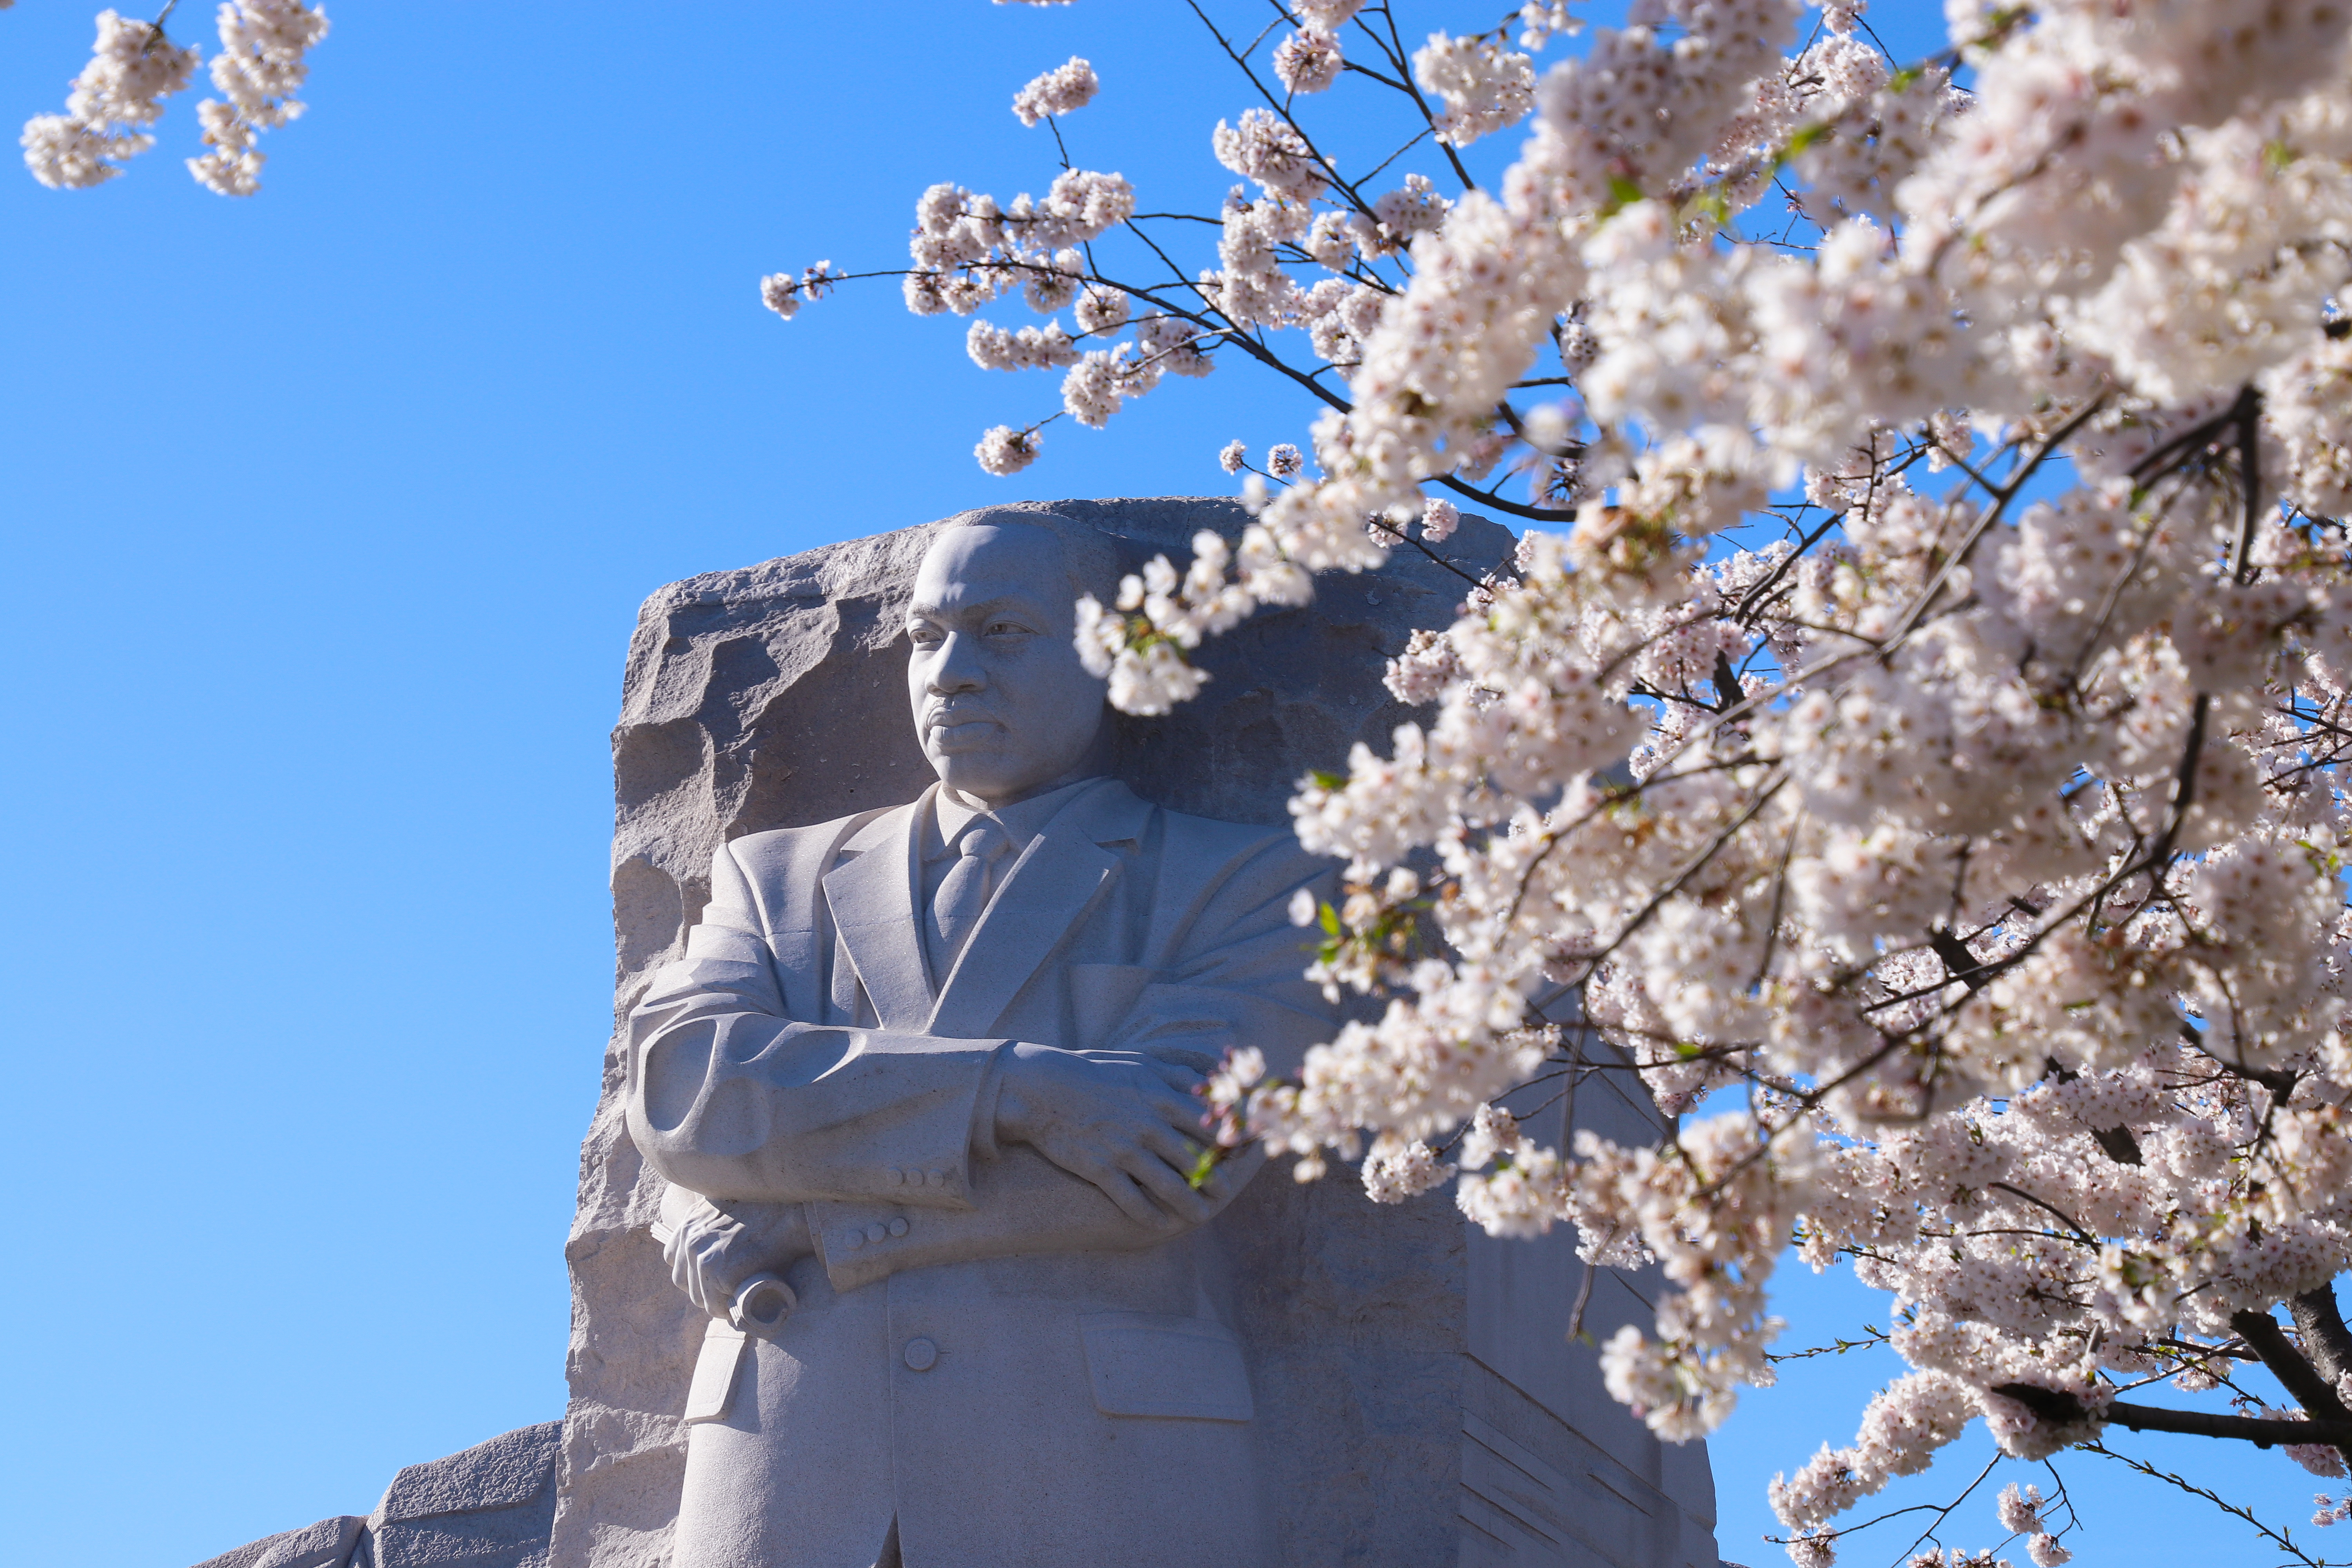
point(1128, 1122)
point(1201, 1064)
point(712, 1250)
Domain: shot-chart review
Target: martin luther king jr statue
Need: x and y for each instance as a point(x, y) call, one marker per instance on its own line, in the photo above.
point(922, 1087)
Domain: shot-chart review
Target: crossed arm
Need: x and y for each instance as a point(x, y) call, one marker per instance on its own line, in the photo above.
point(788, 1131)
point(803, 1137)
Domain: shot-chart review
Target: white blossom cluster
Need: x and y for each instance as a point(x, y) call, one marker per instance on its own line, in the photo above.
point(134, 68)
point(1910, 738)
point(1486, 86)
point(2020, 1512)
point(969, 249)
point(1309, 60)
point(785, 294)
point(1005, 450)
point(1068, 85)
point(1157, 613)
point(261, 64)
point(131, 70)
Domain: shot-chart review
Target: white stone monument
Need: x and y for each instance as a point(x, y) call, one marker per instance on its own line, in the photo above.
point(974, 1358)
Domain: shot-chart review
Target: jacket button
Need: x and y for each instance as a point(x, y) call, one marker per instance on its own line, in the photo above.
point(898, 1227)
point(856, 1238)
point(875, 1232)
point(922, 1354)
point(897, 1177)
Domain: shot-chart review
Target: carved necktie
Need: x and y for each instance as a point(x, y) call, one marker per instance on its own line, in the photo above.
point(964, 893)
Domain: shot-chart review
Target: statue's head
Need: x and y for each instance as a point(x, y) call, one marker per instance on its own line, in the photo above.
point(1004, 707)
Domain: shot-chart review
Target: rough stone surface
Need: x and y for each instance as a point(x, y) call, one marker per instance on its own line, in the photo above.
point(326, 1545)
point(491, 1506)
point(1418, 1402)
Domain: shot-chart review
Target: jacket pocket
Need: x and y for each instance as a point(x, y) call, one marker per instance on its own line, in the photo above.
point(713, 1388)
point(1150, 1364)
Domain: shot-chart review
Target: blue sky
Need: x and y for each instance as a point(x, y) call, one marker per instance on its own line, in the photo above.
point(326, 519)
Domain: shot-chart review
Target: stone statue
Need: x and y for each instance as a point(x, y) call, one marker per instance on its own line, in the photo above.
point(922, 1086)
point(927, 1060)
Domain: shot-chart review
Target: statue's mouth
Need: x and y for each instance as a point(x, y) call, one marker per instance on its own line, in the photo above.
point(962, 733)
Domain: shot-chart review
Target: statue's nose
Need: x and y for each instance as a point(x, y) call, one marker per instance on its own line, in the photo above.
point(959, 666)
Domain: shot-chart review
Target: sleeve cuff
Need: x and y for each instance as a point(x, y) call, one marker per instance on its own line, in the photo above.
point(983, 1104)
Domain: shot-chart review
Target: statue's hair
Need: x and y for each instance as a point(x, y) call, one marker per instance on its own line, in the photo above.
point(1089, 555)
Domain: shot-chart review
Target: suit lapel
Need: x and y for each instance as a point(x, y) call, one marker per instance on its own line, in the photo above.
point(1057, 881)
point(873, 903)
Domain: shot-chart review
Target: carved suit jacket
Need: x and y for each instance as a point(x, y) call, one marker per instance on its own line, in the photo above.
point(987, 1355)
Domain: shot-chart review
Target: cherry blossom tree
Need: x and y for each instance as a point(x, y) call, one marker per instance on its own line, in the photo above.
point(1909, 738)
point(134, 66)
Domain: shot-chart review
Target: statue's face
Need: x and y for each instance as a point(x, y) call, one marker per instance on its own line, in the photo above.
point(1003, 705)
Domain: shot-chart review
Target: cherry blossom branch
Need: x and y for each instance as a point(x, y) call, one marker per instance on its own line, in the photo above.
point(1399, 535)
point(2325, 1337)
point(1991, 515)
point(1393, 48)
point(2262, 1432)
point(2249, 411)
point(1274, 105)
point(1872, 1336)
point(156, 28)
point(1942, 1511)
point(1950, 1507)
point(2303, 1383)
point(2073, 1226)
point(2279, 1538)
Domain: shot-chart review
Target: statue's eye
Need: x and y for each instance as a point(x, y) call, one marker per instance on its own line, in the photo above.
point(923, 634)
point(1006, 628)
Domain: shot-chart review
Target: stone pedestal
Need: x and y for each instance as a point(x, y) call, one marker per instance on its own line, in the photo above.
point(1419, 1403)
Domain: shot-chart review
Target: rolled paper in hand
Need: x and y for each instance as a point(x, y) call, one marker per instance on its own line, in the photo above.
point(762, 1303)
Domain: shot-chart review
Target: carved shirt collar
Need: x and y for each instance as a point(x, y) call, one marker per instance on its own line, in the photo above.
point(1022, 821)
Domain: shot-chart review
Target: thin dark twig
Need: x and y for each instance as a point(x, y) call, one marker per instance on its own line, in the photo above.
point(1393, 157)
point(1488, 497)
point(1871, 1335)
point(2085, 1236)
point(156, 28)
point(1241, 60)
point(1990, 515)
point(1944, 1513)
point(1393, 48)
point(2285, 1543)
point(1698, 863)
point(1399, 535)
point(1941, 1512)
